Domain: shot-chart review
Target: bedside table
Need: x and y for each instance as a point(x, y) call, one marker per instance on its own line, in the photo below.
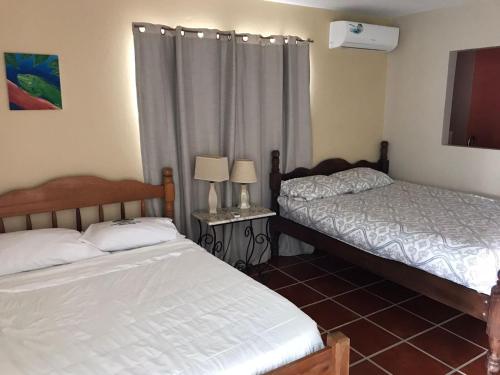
point(227, 217)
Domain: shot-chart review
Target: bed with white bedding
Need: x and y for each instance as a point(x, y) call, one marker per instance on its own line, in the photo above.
point(450, 234)
point(165, 309)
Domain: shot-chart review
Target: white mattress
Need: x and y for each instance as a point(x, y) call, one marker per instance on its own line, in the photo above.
point(166, 309)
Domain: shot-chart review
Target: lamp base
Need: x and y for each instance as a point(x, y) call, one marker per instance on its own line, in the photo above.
point(212, 199)
point(244, 198)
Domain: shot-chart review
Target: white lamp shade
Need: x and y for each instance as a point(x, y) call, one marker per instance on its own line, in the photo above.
point(211, 168)
point(243, 172)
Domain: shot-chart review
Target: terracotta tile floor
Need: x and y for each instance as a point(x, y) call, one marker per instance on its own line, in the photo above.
point(392, 329)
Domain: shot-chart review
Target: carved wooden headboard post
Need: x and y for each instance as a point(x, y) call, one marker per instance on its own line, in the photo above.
point(169, 191)
point(275, 180)
point(383, 161)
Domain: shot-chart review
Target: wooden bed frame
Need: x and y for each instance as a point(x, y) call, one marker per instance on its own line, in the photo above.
point(89, 191)
point(479, 305)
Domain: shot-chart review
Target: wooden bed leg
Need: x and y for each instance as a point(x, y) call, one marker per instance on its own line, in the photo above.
point(275, 242)
point(493, 330)
point(340, 352)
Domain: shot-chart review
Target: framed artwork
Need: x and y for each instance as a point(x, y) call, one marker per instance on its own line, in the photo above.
point(33, 81)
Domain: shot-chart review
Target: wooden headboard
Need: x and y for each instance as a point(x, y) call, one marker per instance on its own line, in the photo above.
point(326, 167)
point(84, 191)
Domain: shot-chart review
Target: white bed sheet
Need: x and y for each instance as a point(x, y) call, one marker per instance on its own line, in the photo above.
point(165, 309)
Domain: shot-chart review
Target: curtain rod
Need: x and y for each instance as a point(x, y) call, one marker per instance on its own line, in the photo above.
point(194, 30)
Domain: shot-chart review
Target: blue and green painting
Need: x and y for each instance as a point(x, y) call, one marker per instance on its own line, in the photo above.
point(33, 81)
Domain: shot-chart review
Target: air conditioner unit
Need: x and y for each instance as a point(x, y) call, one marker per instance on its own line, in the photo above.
point(363, 35)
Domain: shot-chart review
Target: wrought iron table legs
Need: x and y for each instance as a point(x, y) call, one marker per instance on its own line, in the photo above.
point(220, 247)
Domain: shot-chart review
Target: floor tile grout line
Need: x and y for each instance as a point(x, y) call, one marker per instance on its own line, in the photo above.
point(316, 291)
point(402, 340)
point(301, 281)
point(394, 302)
point(301, 262)
point(441, 325)
point(470, 361)
point(287, 286)
point(283, 270)
point(297, 281)
point(398, 304)
point(336, 328)
point(326, 297)
point(361, 286)
point(424, 318)
point(362, 315)
point(312, 303)
point(367, 316)
point(430, 355)
point(349, 291)
point(356, 287)
point(370, 356)
point(336, 271)
point(358, 353)
point(362, 359)
point(379, 366)
point(407, 341)
point(373, 355)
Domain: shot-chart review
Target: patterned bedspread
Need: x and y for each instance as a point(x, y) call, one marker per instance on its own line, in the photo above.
point(453, 235)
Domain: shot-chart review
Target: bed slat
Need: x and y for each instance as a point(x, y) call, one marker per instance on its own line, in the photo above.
point(78, 220)
point(122, 210)
point(143, 208)
point(101, 214)
point(54, 219)
point(2, 227)
point(28, 222)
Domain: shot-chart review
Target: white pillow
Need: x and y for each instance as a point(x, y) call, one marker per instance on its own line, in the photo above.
point(33, 249)
point(130, 234)
point(361, 179)
point(314, 187)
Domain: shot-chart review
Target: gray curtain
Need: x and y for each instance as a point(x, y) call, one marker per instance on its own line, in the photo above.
point(212, 92)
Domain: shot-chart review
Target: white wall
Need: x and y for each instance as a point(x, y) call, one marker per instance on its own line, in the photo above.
point(415, 98)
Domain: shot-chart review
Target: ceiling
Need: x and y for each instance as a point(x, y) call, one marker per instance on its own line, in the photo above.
point(381, 8)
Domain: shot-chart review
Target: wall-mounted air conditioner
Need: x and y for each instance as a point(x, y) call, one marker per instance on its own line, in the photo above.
point(363, 35)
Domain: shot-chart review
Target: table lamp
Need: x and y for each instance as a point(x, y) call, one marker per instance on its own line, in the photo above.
point(212, 169)
point(243, 172)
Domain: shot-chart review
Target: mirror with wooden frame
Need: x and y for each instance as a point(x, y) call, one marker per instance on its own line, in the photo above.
point(472, 113)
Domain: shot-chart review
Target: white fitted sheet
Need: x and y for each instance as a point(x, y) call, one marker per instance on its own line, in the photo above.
point(165, 309)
